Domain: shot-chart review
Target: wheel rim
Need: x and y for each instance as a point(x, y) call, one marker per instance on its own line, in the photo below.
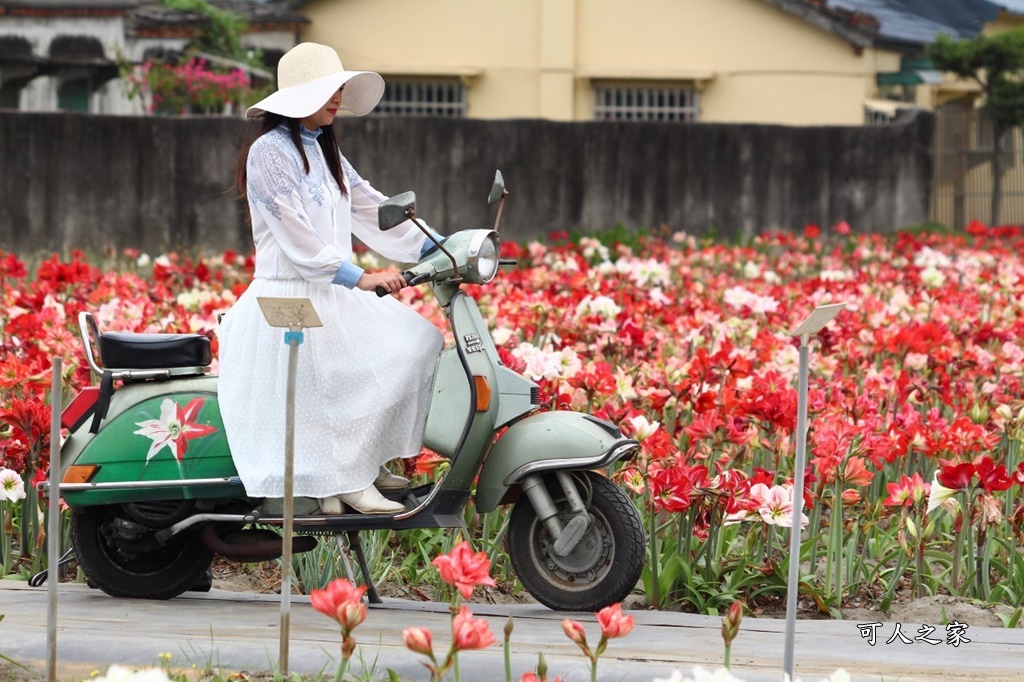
point(588, 562)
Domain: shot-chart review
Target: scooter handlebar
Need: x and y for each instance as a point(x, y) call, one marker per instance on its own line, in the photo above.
point(410, 280)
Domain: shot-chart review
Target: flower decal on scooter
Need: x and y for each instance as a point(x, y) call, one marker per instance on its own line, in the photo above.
point(174, 429)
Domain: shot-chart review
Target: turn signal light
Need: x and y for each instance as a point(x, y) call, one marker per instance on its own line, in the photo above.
point(483, 393)
point(80, 473)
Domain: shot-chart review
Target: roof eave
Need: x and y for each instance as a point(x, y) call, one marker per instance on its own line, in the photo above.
point(855, 36)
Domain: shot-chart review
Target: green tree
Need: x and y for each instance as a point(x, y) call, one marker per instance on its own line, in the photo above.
point(222, 33)
point(996, 63)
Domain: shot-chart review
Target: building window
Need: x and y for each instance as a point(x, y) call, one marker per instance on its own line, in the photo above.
point(423, 98)
point(73, 95)
point(646, 103)
point(10, 95)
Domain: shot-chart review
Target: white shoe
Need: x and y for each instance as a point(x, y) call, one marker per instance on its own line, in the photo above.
point(330, 506)
point(389, 481)
point(370, 501)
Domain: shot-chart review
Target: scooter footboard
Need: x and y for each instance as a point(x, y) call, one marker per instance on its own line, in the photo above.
point(547, 441)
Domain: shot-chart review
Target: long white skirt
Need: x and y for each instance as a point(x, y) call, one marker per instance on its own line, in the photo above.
point(361, 392)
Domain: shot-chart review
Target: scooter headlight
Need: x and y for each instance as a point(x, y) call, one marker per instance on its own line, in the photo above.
point(483, 256)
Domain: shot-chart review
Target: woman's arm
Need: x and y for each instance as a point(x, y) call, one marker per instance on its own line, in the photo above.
point(404, 243)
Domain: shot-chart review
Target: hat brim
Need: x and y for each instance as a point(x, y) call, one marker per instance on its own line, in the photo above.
point(363, 90)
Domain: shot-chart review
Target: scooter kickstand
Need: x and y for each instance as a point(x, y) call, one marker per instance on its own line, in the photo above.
point(356, 545)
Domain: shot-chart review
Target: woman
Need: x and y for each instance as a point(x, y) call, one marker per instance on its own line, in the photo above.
point(363, 379)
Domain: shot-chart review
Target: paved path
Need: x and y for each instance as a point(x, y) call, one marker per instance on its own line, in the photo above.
point(239, 631)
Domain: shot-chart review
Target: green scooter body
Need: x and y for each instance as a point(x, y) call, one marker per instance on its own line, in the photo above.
point(130, 446)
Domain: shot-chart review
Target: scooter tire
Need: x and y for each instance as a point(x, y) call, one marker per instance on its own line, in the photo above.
point(163, 572)
point(604, 567)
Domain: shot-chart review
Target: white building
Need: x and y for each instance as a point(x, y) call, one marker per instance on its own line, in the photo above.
point(63, 54)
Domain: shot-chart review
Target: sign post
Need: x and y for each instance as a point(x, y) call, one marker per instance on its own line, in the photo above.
point(294, 314)
point(814, 323)
point(53, 525)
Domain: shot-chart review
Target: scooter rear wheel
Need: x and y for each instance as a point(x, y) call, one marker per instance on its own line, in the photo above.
point(124, 564)
point(605, 565)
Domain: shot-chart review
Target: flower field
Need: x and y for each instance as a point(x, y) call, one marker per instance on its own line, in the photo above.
point(916, 412)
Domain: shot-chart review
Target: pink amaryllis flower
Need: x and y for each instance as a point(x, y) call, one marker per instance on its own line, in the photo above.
point(907, 492)
point(174, 429)
point(613, 622)
point(12, 488)
point(464, 569)
point(470, 633)
point(342, 601)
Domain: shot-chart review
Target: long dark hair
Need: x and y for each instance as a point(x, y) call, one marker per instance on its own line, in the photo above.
point(261, 125)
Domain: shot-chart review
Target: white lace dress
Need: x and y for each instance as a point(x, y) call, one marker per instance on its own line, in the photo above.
point(364, 378)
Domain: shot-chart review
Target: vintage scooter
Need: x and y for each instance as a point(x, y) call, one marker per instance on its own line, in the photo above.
point(154, 493)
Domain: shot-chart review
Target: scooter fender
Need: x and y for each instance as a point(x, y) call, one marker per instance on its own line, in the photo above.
point(547, 441)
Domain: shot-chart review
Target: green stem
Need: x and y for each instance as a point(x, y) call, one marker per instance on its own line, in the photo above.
point(6, 547)
point(958, 549)
point(837, 540)
point(728, 652)
point(508, 662)
point(653, 540)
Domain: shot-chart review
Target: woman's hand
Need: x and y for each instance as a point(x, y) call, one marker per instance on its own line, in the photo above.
point(391, 282)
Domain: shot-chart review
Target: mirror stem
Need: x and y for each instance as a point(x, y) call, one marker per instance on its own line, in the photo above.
point(411, 213)
point(501, 205)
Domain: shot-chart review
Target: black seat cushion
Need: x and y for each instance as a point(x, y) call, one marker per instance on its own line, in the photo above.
point(126, 350)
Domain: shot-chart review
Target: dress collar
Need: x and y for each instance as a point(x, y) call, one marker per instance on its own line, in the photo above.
point(308, 134)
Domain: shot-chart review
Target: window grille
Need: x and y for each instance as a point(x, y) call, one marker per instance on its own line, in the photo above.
point(646, 103)
point(423, 98)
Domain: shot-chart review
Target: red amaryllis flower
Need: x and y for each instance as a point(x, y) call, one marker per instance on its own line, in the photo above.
point(955, 476)
point(464, 569)
point(341, 601)
point(991, 477)
point(574, 631)
point(613, 622)
point(469, 633)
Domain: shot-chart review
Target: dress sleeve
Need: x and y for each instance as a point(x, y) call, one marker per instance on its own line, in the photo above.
point(273, 178)
point(403, 243)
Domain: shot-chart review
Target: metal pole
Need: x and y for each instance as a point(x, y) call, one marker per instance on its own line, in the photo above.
point(793, 582)
point(53, 525)
point(293, 338)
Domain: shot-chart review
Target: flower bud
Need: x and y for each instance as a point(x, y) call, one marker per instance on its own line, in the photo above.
point(731, 622)
point(418, 640)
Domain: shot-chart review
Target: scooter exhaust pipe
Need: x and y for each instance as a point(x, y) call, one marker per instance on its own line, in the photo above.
point(253, 544)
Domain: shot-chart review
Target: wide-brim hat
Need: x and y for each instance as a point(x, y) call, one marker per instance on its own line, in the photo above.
point(307, 76)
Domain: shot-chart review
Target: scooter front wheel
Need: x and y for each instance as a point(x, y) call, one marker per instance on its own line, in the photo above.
point(605, 565)
point(123, 559)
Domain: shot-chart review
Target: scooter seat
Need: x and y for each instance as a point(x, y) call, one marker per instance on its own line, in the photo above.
point(126, 350)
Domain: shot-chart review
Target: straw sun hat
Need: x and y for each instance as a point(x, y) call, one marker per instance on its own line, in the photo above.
point(307, 76)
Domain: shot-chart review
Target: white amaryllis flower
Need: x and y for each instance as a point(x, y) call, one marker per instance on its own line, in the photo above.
point(601, 306)
point(542, 363)
point(941, 496)
point(932, 277)
point(12, 488)
point(119, 673)
point(642, 428)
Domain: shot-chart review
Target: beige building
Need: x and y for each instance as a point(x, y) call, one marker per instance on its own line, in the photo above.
point(756, 61)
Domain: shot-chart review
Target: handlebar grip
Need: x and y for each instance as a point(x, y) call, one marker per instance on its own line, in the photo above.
point(382, 292)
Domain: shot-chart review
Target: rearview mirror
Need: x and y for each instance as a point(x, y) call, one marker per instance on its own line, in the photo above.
point(396, 210)
point(497, 189)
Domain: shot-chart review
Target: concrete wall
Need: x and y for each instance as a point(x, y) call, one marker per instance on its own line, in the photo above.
point(83, 181)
